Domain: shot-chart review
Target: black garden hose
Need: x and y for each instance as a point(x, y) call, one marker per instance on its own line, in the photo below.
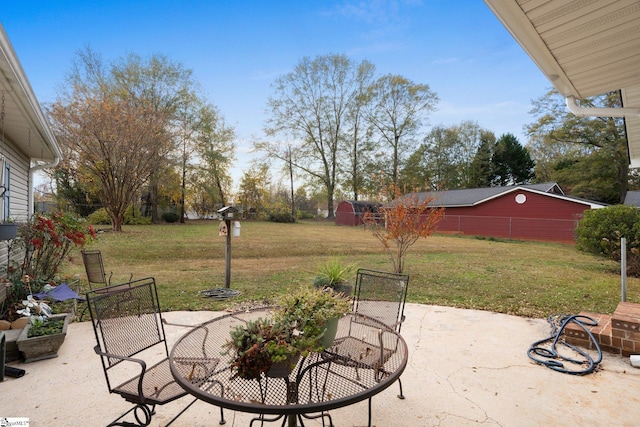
point(552, 359)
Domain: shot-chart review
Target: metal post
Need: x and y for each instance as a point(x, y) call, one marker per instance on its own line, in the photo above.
point(623, 268)
point(227, 253)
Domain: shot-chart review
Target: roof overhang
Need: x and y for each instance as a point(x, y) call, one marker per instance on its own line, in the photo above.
point(24, 124)
point(585, 48)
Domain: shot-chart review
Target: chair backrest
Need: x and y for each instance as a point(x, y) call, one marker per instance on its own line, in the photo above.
point(126, 319)
point(94, 267)
point(381, 295)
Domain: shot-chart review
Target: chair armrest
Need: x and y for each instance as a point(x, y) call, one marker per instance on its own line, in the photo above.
point(142, 363)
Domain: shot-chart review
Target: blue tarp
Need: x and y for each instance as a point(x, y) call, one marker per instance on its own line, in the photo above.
point(62, 292)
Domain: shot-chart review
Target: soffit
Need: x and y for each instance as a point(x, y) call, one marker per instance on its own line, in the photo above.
point(584, 47)
point(23, 124)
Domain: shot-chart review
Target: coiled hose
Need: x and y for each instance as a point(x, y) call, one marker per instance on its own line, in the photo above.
point(551, 357)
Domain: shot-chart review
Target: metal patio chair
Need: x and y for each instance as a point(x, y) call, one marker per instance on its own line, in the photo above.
point(127, 321)
point(379, 296)
point(94, 268)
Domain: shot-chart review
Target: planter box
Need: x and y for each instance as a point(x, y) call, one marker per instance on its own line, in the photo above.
point(44, 347)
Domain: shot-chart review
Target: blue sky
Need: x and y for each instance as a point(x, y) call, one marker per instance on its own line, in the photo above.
point(236, 49)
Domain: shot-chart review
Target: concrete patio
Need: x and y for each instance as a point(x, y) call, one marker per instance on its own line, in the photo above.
point(466, 367)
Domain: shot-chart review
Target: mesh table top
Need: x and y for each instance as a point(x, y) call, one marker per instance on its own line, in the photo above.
point(356, 369)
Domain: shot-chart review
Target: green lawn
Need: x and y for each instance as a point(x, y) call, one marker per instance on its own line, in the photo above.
point(514, 277)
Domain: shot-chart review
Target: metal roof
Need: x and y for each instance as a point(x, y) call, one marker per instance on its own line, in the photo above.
point(584, 47)
point(632, 198)
point(24, 123)
point(361, 206)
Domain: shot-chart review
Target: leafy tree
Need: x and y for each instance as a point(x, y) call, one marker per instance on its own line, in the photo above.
point(406, 219)
point(511, 162)
point(253, 192)
point(164, 87)
point(589, 177)
point(445, 159)
point(399, 107)
point(215, 149)
point(602, 139)
point(79, 194)
point(113, 125)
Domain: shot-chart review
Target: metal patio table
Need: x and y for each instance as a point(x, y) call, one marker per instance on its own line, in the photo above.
point(321, 381)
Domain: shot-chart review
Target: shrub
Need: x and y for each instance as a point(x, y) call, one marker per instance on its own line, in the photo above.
point(170, 217)
point(138, 220)
point(100, 217)
point(600, 230)
point(44, 243)
point(281, 217)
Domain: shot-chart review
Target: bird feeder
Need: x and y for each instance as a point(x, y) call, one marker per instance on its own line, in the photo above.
point(227, 214)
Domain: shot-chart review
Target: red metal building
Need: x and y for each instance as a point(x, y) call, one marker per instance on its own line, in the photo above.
point(527, 212)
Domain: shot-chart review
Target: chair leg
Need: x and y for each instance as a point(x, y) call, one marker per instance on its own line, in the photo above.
point(401, 395)
point(181, 412)
point(262, 419)
point(146, 411)
point(369, 421)
point(321, 415)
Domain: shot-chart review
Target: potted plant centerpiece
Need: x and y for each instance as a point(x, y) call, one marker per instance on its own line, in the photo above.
point(258, 346)
point(313, 314)
point(300, 325)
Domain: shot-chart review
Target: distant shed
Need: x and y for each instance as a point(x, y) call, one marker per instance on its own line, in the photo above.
point(351, 212)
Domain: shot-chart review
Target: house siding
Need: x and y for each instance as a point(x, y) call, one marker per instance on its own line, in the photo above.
point(19, 183)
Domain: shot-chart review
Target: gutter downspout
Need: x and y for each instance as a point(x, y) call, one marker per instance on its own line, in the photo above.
point(572, 105)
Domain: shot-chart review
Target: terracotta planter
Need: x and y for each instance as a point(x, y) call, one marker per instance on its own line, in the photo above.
point(8, 231)
point(43, 347)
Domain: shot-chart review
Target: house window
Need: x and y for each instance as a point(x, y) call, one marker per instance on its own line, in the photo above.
point(521, 198)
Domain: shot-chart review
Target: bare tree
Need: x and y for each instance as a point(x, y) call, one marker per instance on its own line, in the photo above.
point(398, 109)
point(311, 105)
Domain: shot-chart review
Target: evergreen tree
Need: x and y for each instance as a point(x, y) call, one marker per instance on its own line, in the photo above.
point(511, 162)
point(481, 170)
